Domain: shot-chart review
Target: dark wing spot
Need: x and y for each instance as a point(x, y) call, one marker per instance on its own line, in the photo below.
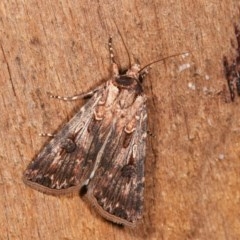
point(128, 171)
point(68, 145)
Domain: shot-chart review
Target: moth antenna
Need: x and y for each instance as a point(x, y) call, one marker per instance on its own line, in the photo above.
point(125, 46)
point(159, 60)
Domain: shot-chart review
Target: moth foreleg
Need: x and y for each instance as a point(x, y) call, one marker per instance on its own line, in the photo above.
point(112, 57)
point(47, 135)
point(76, 97)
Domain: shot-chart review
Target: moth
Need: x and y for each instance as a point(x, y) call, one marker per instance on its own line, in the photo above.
point(100, 152)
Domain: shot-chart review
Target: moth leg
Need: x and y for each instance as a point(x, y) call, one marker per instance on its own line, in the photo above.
point(76, 97)
point(112, 57)
point(47, 135)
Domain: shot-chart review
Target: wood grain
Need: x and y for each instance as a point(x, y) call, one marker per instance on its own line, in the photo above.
point(192, 165)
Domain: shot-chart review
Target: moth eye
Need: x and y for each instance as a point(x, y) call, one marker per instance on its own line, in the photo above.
point(68, 145)
point(123, 71)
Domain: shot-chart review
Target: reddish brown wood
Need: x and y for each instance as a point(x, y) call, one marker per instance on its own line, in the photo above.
point(192, 165)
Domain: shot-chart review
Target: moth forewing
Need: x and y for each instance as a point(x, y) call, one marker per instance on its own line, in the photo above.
point(117, 189)
point(100, 152)
point(57, 171)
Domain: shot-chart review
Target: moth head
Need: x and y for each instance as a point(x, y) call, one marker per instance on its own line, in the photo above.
point(134, 71)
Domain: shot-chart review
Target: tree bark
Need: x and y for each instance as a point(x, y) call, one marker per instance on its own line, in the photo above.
point(192, 164)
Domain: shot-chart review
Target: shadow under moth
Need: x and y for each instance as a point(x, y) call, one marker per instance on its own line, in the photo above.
point(100, 152)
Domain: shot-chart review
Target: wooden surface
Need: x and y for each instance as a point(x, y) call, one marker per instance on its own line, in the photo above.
point(193, 159)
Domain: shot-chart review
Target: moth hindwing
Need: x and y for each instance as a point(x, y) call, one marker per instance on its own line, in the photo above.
point(100, 152)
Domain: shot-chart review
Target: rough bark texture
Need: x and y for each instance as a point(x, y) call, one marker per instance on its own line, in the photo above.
point(192, 166)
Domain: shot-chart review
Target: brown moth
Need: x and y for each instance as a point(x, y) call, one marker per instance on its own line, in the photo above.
point(100, 152)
